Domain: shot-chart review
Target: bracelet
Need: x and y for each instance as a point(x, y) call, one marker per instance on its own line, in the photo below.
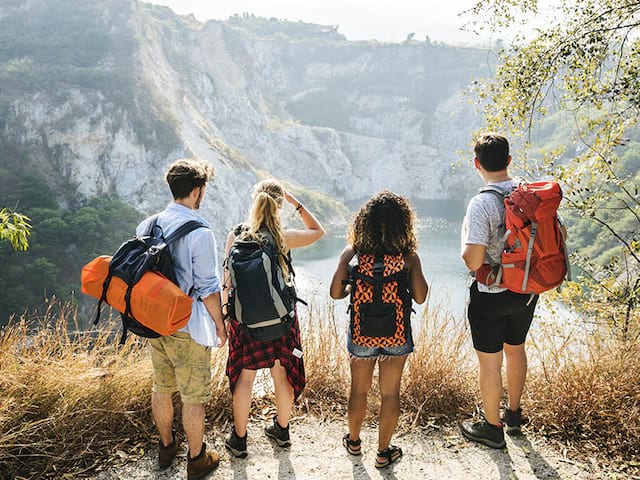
point(299, 207)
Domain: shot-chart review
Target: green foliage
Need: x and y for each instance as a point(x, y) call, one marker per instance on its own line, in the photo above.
point(61, 242)
point(27, 190)
point(74, 44)
point(66, 41)
point(15, 228)
point(272, 27)
point(584, 67)
point(322, 205)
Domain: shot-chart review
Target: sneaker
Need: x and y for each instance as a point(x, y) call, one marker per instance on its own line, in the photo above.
point(513, 421)
point(168, 453)
point(278, 433)
point(483, 432)
point(236, 444)
point(202, 465)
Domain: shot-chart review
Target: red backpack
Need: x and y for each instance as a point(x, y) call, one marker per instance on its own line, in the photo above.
point(534, 258)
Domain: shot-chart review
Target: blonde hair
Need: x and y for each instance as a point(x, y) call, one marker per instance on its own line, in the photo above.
point(265, 215)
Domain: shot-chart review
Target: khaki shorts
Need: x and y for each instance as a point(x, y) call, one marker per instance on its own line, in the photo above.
point(181, 365)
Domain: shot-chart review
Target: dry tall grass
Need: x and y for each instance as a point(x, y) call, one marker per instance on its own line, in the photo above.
point(70, 402)
point(326, 362)
point(584, 391)
point(440, 379)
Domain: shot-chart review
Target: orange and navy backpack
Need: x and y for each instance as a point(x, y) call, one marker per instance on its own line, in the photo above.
point(140, 282)
point(380, 301)
point(534, 257)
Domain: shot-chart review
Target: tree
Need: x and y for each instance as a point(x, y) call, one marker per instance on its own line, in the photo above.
point(15, 228)
point(581, 69)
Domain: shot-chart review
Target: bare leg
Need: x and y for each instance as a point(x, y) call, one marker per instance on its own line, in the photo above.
point(361, 377)
point(516, 367)
point(490, 378)
point(390, 376)
point(284, 393)
point(193, 423)
point(242, 400)
point(162, 411)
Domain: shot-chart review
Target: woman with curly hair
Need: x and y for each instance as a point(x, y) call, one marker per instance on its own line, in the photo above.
point(283, 356)
point(382, 238)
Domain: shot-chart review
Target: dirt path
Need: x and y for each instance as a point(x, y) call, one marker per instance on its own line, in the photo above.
point(317, 453)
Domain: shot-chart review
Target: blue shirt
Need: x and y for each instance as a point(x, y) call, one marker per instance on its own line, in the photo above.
point(195, 265)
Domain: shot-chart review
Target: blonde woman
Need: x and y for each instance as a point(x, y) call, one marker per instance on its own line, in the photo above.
point(283, 356)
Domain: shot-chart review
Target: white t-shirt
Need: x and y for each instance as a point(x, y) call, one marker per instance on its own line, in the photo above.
point(483, 224)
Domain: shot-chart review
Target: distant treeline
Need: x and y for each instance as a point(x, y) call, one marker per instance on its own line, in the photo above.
point(61, 242)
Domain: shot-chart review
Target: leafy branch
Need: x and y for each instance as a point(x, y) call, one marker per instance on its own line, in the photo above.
point(15, 228)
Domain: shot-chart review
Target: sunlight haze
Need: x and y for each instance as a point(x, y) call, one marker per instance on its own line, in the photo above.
point(383, 20)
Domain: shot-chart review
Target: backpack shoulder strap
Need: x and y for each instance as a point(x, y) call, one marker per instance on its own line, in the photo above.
point(378, 276)
point(237, 230)
point(153, 222)
point(499, 192)
point(183, 230)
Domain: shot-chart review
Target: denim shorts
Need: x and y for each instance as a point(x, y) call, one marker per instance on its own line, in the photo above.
point(358, 351)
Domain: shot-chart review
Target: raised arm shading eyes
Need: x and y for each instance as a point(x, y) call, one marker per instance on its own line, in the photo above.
point(313, 231)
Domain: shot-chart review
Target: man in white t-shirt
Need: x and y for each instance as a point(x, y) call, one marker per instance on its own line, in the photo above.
point(499, 319)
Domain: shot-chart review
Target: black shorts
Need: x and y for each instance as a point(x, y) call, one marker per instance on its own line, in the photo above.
point(498, 318)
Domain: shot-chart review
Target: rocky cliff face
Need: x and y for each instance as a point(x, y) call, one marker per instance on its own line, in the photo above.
point(254, 97)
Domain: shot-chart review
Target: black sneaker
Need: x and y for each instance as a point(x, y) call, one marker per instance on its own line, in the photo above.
point(513, 421)
point(483, 432)
point(236, 445)
point(278, 433)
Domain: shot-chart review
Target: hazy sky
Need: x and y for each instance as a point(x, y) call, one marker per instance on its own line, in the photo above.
point(385, 20)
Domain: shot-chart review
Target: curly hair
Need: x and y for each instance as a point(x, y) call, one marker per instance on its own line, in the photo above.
point(265, 215)
point(385, 224)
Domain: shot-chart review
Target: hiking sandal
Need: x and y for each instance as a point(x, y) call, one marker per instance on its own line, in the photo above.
point(352, 446)
point(390, 455)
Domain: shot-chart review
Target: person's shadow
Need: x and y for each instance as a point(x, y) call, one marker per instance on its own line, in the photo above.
point(388, 474)
point(285, 468)
point(239, 468)
point(539, 466)
point(360, 472)
point(502, 459)
point(357, 468)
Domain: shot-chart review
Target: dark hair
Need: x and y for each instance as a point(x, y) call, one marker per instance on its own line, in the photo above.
point(384, 225)
point(184, 175)
point(492, 151)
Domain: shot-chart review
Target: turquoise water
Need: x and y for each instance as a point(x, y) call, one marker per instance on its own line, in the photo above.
point(439, 251)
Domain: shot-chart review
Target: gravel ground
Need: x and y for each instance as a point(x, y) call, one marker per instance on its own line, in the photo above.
point(317, 453)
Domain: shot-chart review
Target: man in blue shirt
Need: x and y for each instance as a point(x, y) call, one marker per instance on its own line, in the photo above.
point(182, 362)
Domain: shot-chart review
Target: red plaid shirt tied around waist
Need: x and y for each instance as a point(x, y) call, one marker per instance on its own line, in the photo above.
point(250, 354)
